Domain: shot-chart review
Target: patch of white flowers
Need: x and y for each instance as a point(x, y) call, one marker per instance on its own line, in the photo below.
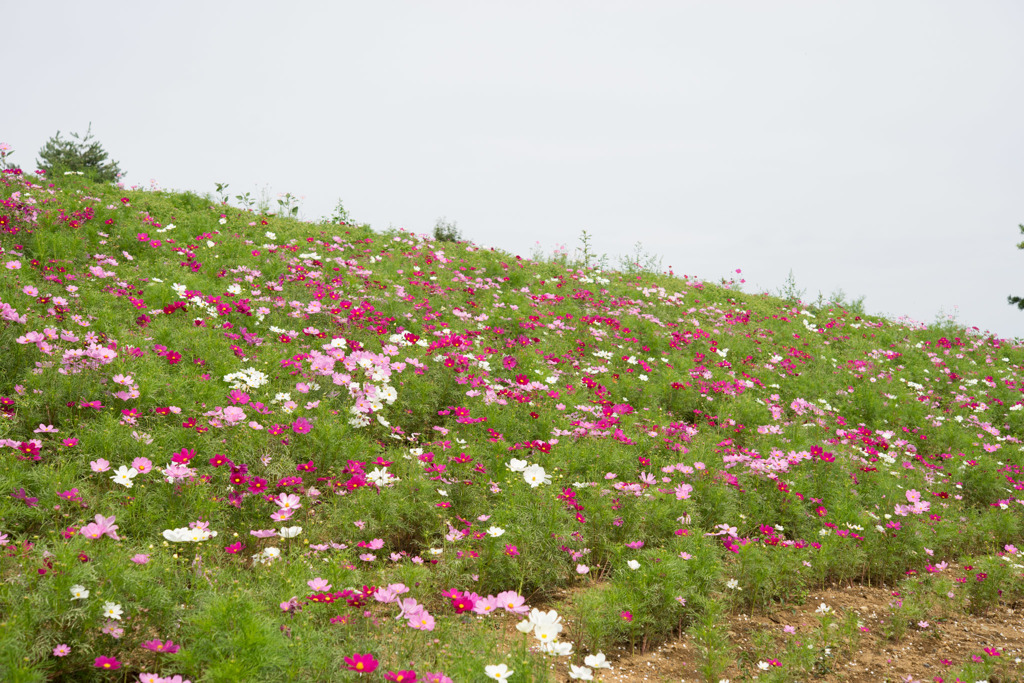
point(246, 379)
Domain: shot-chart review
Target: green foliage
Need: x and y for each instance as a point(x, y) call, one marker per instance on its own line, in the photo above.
point(234, 642)
point(445, 231)
point(789, 292)
point(709, 451)
point(5, 155)
point(222, 192)
point(639, 261)
point(1017, 301)
point(340, 214)
point(586, 257)
point(79, 154)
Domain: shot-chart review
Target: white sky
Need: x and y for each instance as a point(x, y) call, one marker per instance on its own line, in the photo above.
point(871, 146)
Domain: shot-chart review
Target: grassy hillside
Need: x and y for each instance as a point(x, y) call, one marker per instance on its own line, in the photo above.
point(241, 447)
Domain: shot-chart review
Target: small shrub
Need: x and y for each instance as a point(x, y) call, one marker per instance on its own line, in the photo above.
point(445, 231)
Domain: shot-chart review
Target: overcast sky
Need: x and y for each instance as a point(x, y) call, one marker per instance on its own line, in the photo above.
point(876, 147)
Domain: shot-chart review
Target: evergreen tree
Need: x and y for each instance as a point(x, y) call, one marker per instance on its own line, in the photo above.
point(1017, 301)
point(80, 154)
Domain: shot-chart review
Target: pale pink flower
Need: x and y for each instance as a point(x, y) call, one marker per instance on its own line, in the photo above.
point(233, 415)
point(142, 465)
point(511, 601)
point(288, 501)
point(319, 584)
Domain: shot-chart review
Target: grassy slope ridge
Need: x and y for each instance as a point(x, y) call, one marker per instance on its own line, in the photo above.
point(689, 449)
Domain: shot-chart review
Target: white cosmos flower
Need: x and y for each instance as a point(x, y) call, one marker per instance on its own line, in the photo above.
point(560, 648)
point(79, 592)
point(540, 618)
point(186, 535)
point(733, 584)
point(517, 465)
point(498, 672)
point(580, 673)
point(495, 531)
point(524, 626)
point(124, 475)
point(534, 475)
point(547, 633)
point(267, 555)
point(633, 564)
point(179, 535)
point(379, 476)
point(289, 531)
point(597, 661)
point(111, 610)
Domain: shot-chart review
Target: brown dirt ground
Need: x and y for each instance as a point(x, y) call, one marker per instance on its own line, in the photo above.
point(918, 654)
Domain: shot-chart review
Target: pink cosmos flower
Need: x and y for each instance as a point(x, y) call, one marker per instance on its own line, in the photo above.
point(407, 607)
point(486, 605)
point(288, 501)
point(264, 533)
point(319, 584)
point(421, 621)
point(99, 465)
point(233, 415)
point(511, 601)
point(61, 650)
point(142, 465)
point(103, 526)
point(157, 645)
point(140, 558)
point(438, 677)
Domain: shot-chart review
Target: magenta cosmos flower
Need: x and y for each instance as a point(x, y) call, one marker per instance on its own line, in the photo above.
point(103, 662)
point(361, 663)
point(159, 646)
